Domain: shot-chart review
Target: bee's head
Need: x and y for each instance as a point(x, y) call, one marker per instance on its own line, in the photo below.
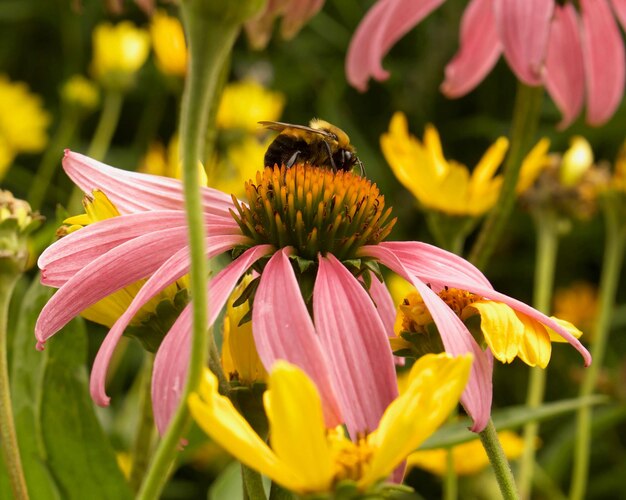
point(343, 141)
point(346, 159)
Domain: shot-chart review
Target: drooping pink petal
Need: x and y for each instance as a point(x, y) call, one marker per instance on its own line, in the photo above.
point(283, 329)
point(174, 268)
point(564, 75)
point(456, 339)
point(619, 7)
point(479, 51)
point(135, 192)
point(432, 264)
point(171, 361)
point(384, 304)
point(297, 13)
point(605, 68)
point(524, 27)
point(354, 339)
point(123, 265)
point(383, 25)
point(61, 260)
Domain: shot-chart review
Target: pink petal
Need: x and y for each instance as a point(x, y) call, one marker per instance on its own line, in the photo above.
point(354, 339)
point(456, 339)
point(479, 51)
point(565, 79)
point(283, 329)
point(297, 13)
point(60, 261)
point(619, 7)
point(524, 27)
point(605, 69)
point(134, 192)
point(171, 270)
point(384, 304)
point(125, 264)
point(430, 263)
point(171, 361)
point(383, 25)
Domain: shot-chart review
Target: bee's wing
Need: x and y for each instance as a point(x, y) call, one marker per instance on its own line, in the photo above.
point(280, 126)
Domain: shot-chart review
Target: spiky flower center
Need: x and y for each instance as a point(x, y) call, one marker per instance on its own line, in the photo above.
point(351, 459)
point(313, 210)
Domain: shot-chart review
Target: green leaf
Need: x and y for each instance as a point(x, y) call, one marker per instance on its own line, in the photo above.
point(506, 418)
point(79, 454)
point(228, 484)
point(27, 371)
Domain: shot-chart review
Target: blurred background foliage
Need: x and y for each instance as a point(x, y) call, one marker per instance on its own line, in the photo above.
point(44, 42)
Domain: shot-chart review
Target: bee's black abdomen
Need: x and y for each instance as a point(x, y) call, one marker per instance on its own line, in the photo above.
point(282, 150)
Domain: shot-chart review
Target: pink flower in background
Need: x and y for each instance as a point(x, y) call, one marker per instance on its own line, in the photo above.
point(578, 56)
point(343, 347)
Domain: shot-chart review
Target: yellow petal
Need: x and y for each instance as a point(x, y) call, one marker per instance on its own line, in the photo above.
point(535, 347)
point(436, 382)
point(216, 415)
point(298, 433)
point(532, 165)
point(555, 337)
point(501, 328)
point(489, 163)
point(576, 161)
point(432, 143)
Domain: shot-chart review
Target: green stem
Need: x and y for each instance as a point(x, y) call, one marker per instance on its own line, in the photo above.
point(101, 140)
point(611, 268)
point(51, 158)
point(546, 223)
point(526, 115)
point(499, 463)
point(252, 483)
point(211, 30)
point(277, 492)
point(8, 437)
point(450, 482)
point(145, 427)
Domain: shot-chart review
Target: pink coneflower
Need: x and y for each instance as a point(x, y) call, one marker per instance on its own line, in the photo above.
point(577, 56)
point(316, 237)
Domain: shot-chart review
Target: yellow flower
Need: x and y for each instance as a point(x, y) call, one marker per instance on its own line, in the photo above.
point(239, 164)
point(168, 41)
point(23, 122)
point(81, 93)
point(240, 359)
point(468, 458)
point(106, 312)
point(578, 304)
point(532, 166)
point(158, 161)
point(576, 161)
point(304, 456)
point(118, 53)
point(508, 333)
point(247, 102)
point(439, 184)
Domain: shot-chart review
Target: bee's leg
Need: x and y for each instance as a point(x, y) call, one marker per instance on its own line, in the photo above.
point(361, 168)
point(330, 156)
point(292, 160)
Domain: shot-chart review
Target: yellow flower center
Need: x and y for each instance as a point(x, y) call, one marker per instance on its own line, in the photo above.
point(313, 210)
point(351, 459)
point(457, 300)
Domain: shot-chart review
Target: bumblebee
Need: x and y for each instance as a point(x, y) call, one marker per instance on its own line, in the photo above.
point(321, 144)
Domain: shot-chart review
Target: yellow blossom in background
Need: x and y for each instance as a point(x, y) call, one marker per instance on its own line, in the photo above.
point(166, 163)
point(240, 359)
point(118, 53)
point(80, 93)
point(578, 304)
point(23, 122)
point(576, 161)
point(106, 312)
point(307, 458)
point(508, 333)
point(533, 165)
point(439, 184)
point(247, 102)
point(168, 42)
point(240, 163)
point(468, 458)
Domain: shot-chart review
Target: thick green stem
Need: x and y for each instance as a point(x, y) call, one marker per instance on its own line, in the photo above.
point(145, 427)
point(252, 483)
point(546, 224)
point(52, 158)
point(8, 438)
point(450, 480)
point(525, 120)
point(499, 463)
point(611, 268)
point(211, 29)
